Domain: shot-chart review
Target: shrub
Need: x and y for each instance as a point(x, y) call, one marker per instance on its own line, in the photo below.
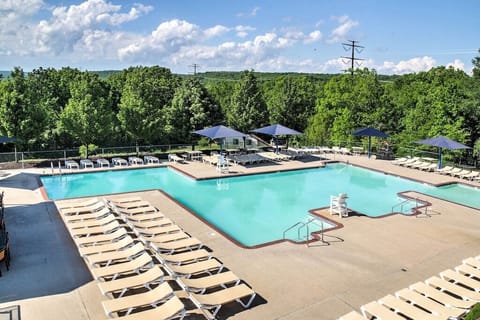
point(474, 314)
point(91, 150)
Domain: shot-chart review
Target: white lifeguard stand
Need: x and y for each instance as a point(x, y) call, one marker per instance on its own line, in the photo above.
point(338, 205)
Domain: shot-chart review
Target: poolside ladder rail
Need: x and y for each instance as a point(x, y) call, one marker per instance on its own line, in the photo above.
point(401, 204)
point(300, 225)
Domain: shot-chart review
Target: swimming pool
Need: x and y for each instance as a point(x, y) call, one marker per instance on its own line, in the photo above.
point(257, 209)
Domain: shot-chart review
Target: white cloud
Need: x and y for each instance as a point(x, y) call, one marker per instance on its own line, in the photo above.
point(314, 36)
point(457, 64)
point(215, 31)
point(243, 31)
point(416, 64)
point(252, 13)
point(68, 24)
point(340, 33)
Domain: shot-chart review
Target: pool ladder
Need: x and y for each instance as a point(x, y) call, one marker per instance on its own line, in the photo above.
point(401, 204)
point(301, 225)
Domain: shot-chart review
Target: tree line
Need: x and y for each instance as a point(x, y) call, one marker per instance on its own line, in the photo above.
point(63, 108)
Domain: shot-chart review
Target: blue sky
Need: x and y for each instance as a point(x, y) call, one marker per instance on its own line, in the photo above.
point(399, 37)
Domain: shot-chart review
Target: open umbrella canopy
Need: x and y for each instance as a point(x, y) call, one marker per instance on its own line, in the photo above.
point(442, 143)
point(5, 139)
point(276, 130)
point(369, 132)
point(219, 132)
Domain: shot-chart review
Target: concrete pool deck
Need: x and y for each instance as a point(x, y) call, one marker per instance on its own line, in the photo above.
point(363, 261)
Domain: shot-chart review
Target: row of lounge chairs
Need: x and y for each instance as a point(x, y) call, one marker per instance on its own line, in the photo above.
point(116, 161)
point(135, 252)
point(418, 163)
point(447, 296)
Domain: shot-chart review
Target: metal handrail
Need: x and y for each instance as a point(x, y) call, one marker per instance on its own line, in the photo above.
point(404, 202)
point(293, 226)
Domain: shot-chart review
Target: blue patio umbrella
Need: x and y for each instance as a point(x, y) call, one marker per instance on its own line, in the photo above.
point(442, 142)
point(276, 130)
point(5, 139)
point(219, 132)
point(369, 132)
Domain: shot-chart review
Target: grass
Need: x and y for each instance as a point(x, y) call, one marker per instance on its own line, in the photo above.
point(474, 314)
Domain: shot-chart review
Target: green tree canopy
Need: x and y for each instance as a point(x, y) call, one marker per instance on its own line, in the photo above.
point(88, 115)
point(146, 93)
point(192, 108)
point(248, 109)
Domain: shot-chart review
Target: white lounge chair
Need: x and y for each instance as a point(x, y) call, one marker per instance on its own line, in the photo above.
point(215, 300)
point(135, 160)
point(86, 163)
point(175, 158)
point(71, 164)
point(151, 159)
point(103, 163)
point(119, 162)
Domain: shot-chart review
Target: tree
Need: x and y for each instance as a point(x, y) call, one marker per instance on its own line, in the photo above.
point(88, 115)
point(248, 109)
point(192, 108)
point(146, 93)
point(291, 102)
point(476, 66)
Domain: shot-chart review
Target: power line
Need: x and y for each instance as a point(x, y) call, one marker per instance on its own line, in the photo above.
point(195, 67)
point(353, 47)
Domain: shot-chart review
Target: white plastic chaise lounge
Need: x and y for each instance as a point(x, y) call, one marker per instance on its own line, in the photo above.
point(442, 297)
point(411, 311)
point(188, 244)
point(87, 232)
point(461, 279)
point(103, 163)
point(379, 311)
point(184, 257)
point(135, 266)
point(71, 164)
point(175, 158)
point(151, 159)
point(119, 162)
point(201, 284)
point(215, 300)
point(444, 170)
point(89, 223)
point(129, 303)
point(172, 309)
point(426, 303)
point(430, 167)
point(352, 315)
point(471, 176)
point(96, 215)
point(121, 286)
point(78, 204)
point(86, 163)
point(106, 247)
point(461, 173)
point(455, 289)
point(97, 206)
point(135, 160)
point(209, 267)
point(107, 258)
point(101, 238)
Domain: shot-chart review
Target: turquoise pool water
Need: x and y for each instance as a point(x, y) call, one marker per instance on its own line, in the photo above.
point(257, 209)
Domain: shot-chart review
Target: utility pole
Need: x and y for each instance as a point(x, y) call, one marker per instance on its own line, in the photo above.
point(194, 66)
point(354, 47)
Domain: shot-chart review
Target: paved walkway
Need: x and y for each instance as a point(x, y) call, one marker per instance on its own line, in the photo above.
point(363, 261)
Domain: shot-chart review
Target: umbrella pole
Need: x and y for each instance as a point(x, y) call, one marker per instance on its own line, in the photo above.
point(369, 142)
point(439, 158)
